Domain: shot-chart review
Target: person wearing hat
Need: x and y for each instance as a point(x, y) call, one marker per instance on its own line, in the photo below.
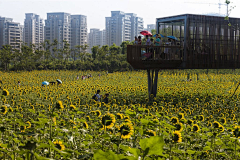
point(157, 42)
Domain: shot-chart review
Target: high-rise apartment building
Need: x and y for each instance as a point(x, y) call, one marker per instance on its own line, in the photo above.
point(78, 30)
point(96, 37)
point(10, 33)
point(151, 27)
point(58, 26)
point(122, 27)
point(136, 25)
point(33, 29)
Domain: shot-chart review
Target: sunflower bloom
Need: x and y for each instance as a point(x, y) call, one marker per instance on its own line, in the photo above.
point(119, 116)
point(59, 105)
point(151, 133)
point(4, 110)
point(5, 92)
point(177, 136)
point(29, 124)
point(126, 130)
point(85, 125)
point(236, 131)
point(178, 127)
point(108, 120)
point(174, 120)
point(59, 145)
point(98, 113)
point(195, 128)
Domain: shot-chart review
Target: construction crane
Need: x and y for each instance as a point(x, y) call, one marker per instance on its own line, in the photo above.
point(219, 7)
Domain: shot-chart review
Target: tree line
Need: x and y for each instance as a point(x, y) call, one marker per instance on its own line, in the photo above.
point(48, 56)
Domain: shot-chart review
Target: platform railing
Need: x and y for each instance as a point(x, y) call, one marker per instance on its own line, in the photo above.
point(151, 53)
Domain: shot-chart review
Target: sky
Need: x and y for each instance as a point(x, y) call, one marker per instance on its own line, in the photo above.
point(97, 10)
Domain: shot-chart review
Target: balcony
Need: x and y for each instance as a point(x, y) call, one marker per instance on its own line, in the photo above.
point(154, 57)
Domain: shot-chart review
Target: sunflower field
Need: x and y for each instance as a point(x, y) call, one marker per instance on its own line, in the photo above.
point(195, 115)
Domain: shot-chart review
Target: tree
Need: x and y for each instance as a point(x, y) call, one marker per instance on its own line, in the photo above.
point(153, 31)
point(124, 46)
point(6, 55)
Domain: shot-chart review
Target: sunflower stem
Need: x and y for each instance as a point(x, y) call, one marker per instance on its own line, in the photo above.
point(170, 154)
point(235, 148)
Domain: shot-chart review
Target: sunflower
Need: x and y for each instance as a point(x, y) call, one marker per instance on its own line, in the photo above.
point(59, 145)
point(126, 130)
point(154, 103)
point(5, 92)
point(88, 118)
point(201, 118)
point(4, 110)
point(59, 105)
point(223, 120)
point(221, 128)
point(209, 124)
point(72, 107)
point(180, 115)
point(98, 113)
point(85, 125)
point(216, 124)
point(195, 128)
point(119, 116)
point(126, 117)
point(174, 120)
point(22, 128)
point(29, 124)
point(151, 133)
point(177, 137)
point(155, 120)
point(190, 122)
point(178, 127)
point(108, 120)
point(236, 131)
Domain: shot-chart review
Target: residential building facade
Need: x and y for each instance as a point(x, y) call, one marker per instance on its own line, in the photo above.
point(96, 37)
point(122, 27)
point(33, 29)
point(150, 27)
point(78, 30)
point(10, 33)
point(58, 26)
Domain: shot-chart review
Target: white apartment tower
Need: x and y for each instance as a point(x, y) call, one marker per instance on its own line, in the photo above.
point(33, 29)
point(122, 27)
point(58, 26)
point(78, 30)
point(10, 33)
point(136, 25)
point(96, 37)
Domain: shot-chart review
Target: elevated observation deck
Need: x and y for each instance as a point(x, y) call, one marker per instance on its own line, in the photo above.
point(154, 57)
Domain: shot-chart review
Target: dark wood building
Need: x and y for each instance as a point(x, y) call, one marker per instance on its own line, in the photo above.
point(203, 42)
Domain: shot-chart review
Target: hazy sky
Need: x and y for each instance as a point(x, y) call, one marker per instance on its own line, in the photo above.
point(97, 10)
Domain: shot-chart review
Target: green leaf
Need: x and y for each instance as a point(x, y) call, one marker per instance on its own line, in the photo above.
point(130, 113)
point(190, 152)
point(155, 145)
point(134, 151)
point(144, 121)
point(207, 148)
point(109, 155)
point(31, 110)
point(41, 158)
point(43, 145)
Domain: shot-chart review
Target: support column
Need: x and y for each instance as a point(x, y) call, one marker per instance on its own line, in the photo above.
point(152, 82)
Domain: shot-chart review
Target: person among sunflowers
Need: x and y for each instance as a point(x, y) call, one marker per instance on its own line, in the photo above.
point(105, 100)
point(97, 96)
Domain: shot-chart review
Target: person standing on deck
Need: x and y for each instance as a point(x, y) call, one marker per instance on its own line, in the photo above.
point(157, 42)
